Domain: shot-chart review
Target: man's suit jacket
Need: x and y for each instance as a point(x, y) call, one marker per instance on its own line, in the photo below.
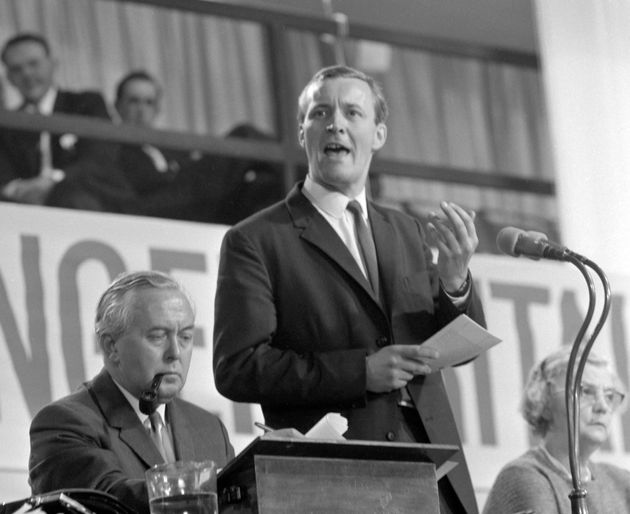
point(143, 173)
point(94, 439)
point(168, 193)
point(202, 187)
point(89, 164)
point(295, 319)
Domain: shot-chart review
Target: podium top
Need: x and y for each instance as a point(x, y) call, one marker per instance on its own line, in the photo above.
point(437, 454)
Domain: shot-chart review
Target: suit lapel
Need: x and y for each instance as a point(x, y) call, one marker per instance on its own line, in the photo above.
point(184, 448)
point(317, 231)
point(29, 153)
point(120, 415)
point(62, 105)
point(133, 433)
point(61, 102)
point(385, 241)
point(26, 145)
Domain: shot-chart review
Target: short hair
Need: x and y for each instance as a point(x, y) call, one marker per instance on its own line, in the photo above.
point(136, 75)
point(113, 312)
point(24, 37)
point(537, 395)
point(381, 108)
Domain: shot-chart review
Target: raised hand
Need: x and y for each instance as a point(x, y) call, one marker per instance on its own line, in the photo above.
point(456, 239)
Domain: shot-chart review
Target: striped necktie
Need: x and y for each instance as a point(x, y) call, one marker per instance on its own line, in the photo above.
point(160, 436)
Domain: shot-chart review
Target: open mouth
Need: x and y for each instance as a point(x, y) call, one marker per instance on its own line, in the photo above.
point(336, 149)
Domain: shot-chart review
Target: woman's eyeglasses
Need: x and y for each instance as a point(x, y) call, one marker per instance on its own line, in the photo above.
point(589, 393)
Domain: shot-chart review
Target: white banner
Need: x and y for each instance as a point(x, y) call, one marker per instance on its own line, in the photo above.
point(54, 265)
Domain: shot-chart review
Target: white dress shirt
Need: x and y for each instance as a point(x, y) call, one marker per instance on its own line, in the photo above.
point(332, 206)
point(135, 405)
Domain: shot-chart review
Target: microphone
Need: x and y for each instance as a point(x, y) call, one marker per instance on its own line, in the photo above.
point(535, 245)
point(149, 398)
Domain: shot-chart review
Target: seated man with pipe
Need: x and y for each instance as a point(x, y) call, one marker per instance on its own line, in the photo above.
point(129, 417)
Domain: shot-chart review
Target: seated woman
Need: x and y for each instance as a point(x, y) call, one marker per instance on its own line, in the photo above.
point(539, 481)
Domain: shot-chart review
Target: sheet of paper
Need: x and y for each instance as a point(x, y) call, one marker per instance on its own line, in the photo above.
point(461, 340)
point(332, 426)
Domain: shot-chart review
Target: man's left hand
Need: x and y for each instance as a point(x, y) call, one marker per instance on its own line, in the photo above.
point(456, 239)
point(33, 190)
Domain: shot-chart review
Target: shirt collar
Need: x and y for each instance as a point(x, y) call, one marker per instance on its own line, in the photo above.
point(332, 203)
point(135, 404)
point(45, 105)
point(47, 102)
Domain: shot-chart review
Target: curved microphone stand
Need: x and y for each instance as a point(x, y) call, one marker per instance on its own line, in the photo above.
point(574, 377)
point(535, 245)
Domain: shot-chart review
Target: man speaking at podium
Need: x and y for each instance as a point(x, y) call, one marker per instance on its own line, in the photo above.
point(323, 300)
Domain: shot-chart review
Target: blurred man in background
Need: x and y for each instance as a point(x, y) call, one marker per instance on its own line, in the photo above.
point(166, 182)
point(188, 185)
point(44, 168)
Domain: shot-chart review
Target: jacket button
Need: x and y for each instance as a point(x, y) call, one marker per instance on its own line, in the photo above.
point(382, 341)
point(390, 436)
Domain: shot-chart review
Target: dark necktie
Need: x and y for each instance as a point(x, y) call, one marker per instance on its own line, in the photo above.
point(366, 244)
point(159, 434)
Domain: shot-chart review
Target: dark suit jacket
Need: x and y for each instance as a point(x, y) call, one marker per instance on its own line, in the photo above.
point(94, 439)
point(193, 188)
point(143, 174)
point(201, 187)
point(295, 319)
point(89, 164)
point(171, 193)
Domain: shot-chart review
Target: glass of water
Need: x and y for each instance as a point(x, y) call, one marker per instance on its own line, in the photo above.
point(183, 487)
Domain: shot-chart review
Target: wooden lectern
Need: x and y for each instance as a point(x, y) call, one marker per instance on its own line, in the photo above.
point(293, 476)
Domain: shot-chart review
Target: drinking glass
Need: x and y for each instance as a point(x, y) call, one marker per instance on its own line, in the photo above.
point(183, 487)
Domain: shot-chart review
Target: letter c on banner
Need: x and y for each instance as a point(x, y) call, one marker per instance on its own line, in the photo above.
point(69, 308)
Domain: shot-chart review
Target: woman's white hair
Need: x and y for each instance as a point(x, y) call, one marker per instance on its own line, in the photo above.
point(536, 400)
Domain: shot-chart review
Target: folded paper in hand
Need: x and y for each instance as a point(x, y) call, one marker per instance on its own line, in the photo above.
point(459, 341)
point(331, 426)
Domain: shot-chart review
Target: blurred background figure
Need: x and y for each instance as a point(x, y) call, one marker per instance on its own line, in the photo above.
point(164, 181)
point(186, 185)
point(539, 481)
point(138, 98)
point(43, 168)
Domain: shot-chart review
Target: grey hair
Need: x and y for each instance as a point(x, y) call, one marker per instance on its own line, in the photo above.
point(333, 72)
point(537, 395)
point(113, 312)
